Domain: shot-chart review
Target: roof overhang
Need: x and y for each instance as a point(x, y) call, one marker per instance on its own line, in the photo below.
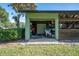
point(48, 11)
point(62, 13)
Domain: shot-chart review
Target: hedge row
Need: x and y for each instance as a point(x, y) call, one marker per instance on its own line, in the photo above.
point(11, 34)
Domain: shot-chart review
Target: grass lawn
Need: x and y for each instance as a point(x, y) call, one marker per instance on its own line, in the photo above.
point(39, 50)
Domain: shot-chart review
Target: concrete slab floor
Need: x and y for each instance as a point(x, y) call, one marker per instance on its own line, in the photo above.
point(43, 41)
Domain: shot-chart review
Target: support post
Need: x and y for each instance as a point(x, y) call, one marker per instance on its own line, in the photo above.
point(27, 28)
point(57, 27)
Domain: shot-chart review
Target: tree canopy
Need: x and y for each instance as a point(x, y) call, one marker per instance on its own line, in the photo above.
point(23, 6)
point(3, 15)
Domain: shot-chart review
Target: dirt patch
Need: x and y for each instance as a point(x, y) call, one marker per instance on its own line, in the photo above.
point(9, 45)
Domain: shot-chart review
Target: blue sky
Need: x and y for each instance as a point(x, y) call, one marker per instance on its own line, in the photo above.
point(44, 6)
point(58, 6)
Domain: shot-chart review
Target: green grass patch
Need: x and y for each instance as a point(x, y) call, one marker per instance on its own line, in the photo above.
point(40, 50)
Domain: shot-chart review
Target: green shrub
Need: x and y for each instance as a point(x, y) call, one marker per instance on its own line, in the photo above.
point(11, 34)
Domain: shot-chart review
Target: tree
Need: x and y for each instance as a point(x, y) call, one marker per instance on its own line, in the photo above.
point(21, 6)
point(16, 20)
point(3, 15)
